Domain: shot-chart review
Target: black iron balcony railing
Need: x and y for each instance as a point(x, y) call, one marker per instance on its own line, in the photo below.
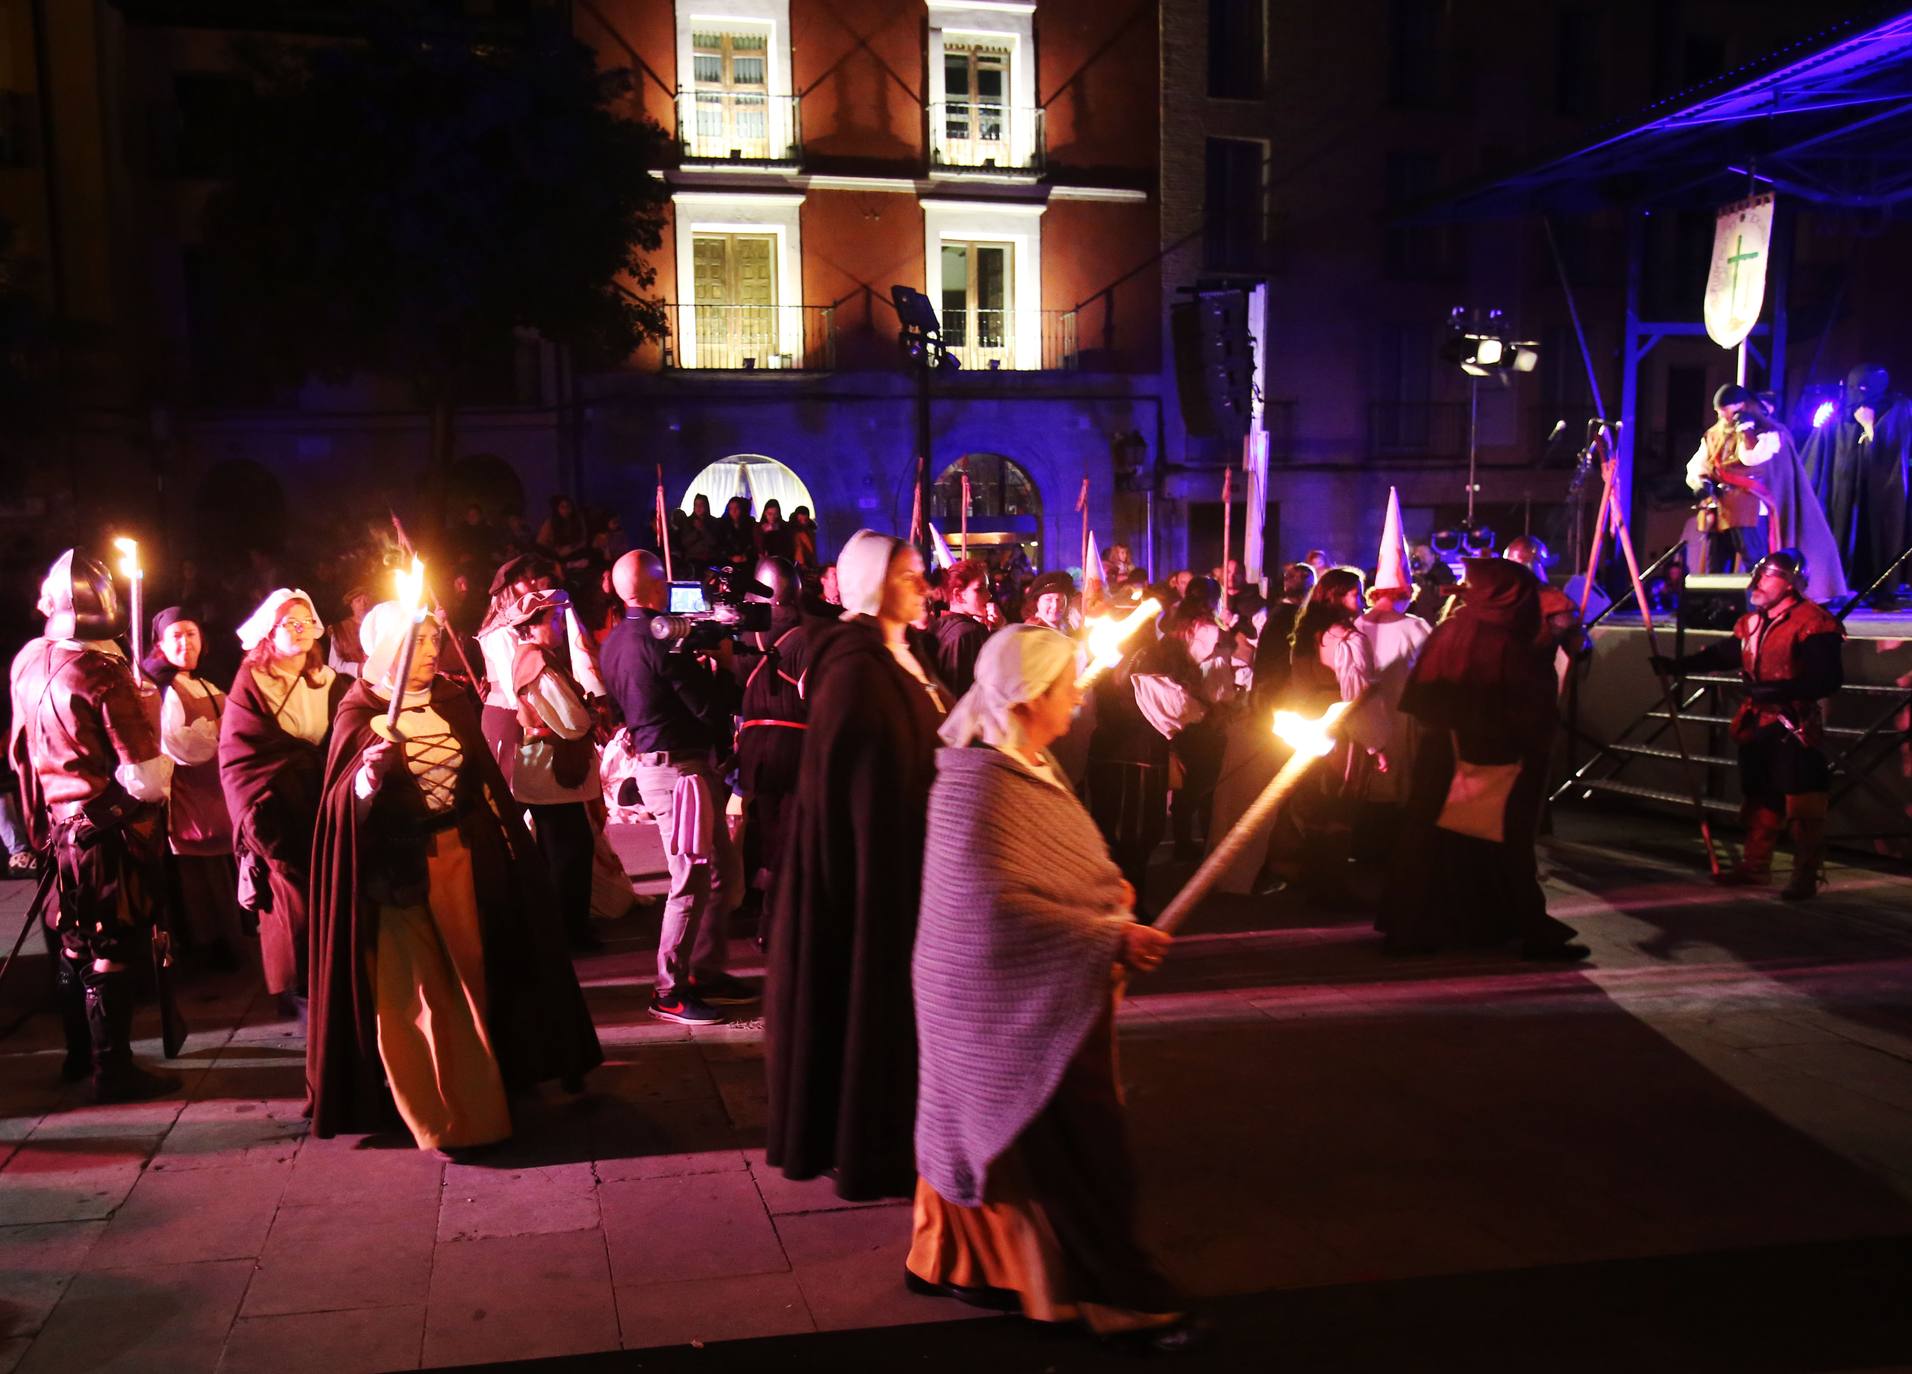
point(1011, 340)
point(719, 125)
point(751, 338)
point(985, 136)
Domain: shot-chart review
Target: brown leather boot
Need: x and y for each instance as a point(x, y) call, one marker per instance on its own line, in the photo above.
point(1755, 866)
point(1808, 813)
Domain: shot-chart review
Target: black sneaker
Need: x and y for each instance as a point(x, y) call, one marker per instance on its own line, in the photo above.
point(684, 1009)
point(722, 990)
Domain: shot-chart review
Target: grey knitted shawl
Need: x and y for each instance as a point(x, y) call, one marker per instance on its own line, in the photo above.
point(1014, 943)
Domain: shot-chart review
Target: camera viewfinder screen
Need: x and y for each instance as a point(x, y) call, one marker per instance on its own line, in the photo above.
point(687, 598)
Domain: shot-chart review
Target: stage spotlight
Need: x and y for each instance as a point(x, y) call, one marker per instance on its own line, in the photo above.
point(1481, 344)
point(913, 308)
point(1823, 416)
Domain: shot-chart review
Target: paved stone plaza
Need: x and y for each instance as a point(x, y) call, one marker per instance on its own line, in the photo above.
point(1331, 1140)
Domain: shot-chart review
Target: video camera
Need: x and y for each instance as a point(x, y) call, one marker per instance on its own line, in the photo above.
point(702, 614)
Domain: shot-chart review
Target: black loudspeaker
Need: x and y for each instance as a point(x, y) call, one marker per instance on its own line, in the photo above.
point(1214, 364)
point(1713, 601)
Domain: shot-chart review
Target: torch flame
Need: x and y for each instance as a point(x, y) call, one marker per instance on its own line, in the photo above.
point(1107, 635)
point(1310, 737)
point(129, 556)
point(411, 586)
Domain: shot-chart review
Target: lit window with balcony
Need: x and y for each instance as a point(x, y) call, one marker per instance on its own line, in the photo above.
point(983, 267)
point(735, 105)
point(983, 117)
point(976, 303)
point(739, 286)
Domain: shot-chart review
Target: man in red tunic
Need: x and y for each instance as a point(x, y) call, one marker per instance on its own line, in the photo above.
point(1788, 650)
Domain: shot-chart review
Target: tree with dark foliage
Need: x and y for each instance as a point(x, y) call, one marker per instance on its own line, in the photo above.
point(400, 205)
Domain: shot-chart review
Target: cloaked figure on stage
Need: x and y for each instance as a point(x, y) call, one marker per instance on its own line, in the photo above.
point(1858, 466)
point(1788, 650)
point(439, 970)
point(93, 785)
point(1754, 493)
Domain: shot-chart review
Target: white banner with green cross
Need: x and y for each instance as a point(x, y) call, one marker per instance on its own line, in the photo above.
point(1736, 285)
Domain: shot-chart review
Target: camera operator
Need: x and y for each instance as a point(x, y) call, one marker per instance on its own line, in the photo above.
point(773, 664)
point(677, 708)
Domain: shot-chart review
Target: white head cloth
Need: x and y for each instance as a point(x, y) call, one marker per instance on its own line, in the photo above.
point(382, 635)
point(263, 621)
point(863, 567)
point(1017, 664)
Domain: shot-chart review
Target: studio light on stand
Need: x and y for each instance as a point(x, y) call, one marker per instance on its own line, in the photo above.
point(920, 336)
point(1483, 345)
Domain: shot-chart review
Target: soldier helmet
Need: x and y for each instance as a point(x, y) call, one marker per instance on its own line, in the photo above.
point(780, 576)
point(79, 600)
point(1528, 549)
point(1788, 563)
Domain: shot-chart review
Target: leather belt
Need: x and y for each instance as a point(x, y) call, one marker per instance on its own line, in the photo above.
point(665, 758)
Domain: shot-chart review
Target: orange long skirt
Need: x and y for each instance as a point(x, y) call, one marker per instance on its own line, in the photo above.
point(428, 978)
point(1057, 1221)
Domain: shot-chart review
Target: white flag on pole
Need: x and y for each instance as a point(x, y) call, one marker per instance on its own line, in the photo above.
point(1736, 286)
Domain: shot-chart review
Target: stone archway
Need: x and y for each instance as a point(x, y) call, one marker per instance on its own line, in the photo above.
point(1005, 505)
point(754, 476)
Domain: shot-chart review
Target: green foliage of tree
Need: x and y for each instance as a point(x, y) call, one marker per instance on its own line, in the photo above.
point(399, 205)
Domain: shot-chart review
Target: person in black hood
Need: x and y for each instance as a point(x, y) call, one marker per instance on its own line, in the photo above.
point(774, 666)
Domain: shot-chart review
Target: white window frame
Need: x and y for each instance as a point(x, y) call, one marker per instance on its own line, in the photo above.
point(770, 15)
point(1020, 226)
point(715, 212)
point(1011, 23)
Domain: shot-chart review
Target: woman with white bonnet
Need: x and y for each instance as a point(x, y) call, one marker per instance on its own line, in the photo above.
point(440, 976)
point(272, 742)
point(840, 1026)
point(1027, 1189)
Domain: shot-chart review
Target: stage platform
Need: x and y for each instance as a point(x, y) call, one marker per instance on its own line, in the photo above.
point(1609, 701)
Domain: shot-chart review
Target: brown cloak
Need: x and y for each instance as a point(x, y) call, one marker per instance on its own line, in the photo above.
point(839, 1016)
point(271, 780)
point(539, 1025)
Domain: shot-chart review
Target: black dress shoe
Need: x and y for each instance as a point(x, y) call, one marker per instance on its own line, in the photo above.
point(1567, 952)
point(990, 1299)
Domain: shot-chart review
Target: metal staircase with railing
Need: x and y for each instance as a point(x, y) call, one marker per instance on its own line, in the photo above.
point(1854, 751)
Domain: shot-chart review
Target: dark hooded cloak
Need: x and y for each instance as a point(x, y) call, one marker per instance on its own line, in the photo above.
point(1483, 690)
point(539, 1026)
point(840, 1021)
point(1863, 487)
